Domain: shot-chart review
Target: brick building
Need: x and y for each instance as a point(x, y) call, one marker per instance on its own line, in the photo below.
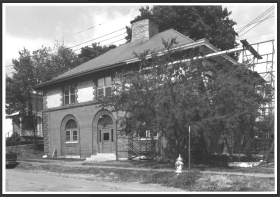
point(73, 124)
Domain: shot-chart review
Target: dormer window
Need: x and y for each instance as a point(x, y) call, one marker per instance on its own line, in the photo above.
point(69, 95)
point(104, 86)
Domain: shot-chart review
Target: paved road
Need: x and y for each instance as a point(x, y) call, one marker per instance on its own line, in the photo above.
point(39, 181)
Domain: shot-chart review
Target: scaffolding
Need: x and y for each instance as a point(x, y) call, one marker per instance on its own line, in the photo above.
point(262, 61)
point(265, 68)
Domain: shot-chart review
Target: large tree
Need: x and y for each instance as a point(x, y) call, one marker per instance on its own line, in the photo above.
point(31, 69)
point(197, 22)
point(168, 95)
point(90, 52)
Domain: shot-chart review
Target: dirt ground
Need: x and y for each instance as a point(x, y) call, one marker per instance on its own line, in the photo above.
point(40, 181)
point(106, 179)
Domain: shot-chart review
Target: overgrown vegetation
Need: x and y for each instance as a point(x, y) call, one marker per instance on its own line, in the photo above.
point(169, 95)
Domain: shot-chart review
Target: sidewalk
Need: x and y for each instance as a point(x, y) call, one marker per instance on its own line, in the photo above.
point(79, 164)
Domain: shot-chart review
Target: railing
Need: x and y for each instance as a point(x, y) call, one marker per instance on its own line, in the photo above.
point(14, 136)
point(128, 147)
point(9, 134)
point(136, 147)
point(142, 147)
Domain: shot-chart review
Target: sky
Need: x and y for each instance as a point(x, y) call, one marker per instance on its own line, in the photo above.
point(32, 26)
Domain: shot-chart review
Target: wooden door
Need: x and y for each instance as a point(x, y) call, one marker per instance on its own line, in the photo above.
point(106, 140)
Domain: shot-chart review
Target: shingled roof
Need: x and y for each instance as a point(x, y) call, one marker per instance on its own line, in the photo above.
point(122, 53)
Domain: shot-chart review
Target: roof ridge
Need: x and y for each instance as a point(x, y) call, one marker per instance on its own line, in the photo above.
point(182, 34)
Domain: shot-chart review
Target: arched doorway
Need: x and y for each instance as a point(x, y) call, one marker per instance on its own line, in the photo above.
point(70, 137)
point(105, 134)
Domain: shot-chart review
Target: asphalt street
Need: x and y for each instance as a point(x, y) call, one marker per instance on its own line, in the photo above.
point(39, 181)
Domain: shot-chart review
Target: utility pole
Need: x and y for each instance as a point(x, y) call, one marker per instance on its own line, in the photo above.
point(189, 148)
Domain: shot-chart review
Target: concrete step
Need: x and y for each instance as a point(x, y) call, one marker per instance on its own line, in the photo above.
point(102, 157)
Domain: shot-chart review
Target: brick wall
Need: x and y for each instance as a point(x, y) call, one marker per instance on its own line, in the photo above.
point(87, 140)
point(45, 133)
point(143, 30)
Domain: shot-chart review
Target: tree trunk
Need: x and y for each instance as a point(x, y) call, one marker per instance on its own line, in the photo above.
point(229, 149)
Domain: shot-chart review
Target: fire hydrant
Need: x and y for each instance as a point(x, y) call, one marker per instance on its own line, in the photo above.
point(179, 165)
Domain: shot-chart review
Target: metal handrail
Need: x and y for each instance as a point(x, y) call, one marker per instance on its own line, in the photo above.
point(8, 133)
point(128, 147)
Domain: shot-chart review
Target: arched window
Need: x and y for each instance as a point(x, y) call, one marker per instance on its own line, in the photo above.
point(71, 129)
point(105, 120)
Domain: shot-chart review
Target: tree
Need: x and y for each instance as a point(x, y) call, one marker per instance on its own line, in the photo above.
point(50, 63)
point(168, 95)
point(88, 53)
point(44, 64)
point(196, 22)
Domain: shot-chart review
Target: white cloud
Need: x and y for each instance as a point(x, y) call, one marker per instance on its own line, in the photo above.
point(13, 45)
point(104, 23)
point(111, 19)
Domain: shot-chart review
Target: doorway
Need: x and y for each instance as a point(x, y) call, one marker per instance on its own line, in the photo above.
point(106, 141)
point(105, 135)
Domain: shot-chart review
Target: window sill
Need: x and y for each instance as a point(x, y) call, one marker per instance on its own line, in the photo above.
point(74, 142)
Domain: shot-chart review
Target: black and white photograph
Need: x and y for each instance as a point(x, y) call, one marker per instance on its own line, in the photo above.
point(139, 98)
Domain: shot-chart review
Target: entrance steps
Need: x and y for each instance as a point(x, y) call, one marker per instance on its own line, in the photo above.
point(102, 157)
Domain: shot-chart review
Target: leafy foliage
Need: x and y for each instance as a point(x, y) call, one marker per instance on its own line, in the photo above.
point(196, 22)
point(168, 97)
point(88, 53)
point(44, 64)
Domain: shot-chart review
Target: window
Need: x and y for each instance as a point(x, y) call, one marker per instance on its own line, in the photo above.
point(69, 95)
point(71, 134)
point(68, 136)
point(147, 134)
point(104, 86)
point(105, 136)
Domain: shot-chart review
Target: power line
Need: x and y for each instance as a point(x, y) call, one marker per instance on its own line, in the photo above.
point(253, 26)
point(97, 38)
point(210, 43)
point(124, 39)
point(254, 23)
point(260, 16)
point(103, 45)
point(80, 48)
point(102, 41)
point(88, 41)
point(86, 29)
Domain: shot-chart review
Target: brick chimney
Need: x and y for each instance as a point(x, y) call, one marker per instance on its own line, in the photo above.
point(143, 29)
